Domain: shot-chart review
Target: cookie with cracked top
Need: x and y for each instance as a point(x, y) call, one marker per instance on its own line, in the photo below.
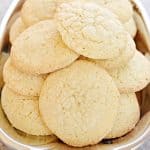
point(91, 30)
point(40, 50)
point(84, 99)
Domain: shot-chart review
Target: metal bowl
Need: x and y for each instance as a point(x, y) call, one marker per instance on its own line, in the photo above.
point(21, 141)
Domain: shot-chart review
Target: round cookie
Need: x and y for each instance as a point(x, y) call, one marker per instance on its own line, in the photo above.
point(121, 8)
point(133, 77)
point(22, 83)
point(16, 28)
point(23, 112)
point(3, 59)
point(91, 30)
point(128, 116)
point(40, 50)
point(84, 101)
point(130, 26)
point(122, 60)
point(34, 11)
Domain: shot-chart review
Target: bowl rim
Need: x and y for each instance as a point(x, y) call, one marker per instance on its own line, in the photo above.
point(3, 27)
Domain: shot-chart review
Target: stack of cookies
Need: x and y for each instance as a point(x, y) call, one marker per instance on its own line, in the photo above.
point(73, 70)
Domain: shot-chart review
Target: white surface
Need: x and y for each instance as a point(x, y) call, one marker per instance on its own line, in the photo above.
point(3, 7)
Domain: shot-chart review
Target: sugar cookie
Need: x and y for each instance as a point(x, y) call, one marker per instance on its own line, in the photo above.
point(22, 83)
point(23, 112)
point(34, 11)
point(121, 60)
point(40, 50)
point(133, 77)
point(84, 99)
point(121, 8)
point(91, 30)
point(128, 116)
